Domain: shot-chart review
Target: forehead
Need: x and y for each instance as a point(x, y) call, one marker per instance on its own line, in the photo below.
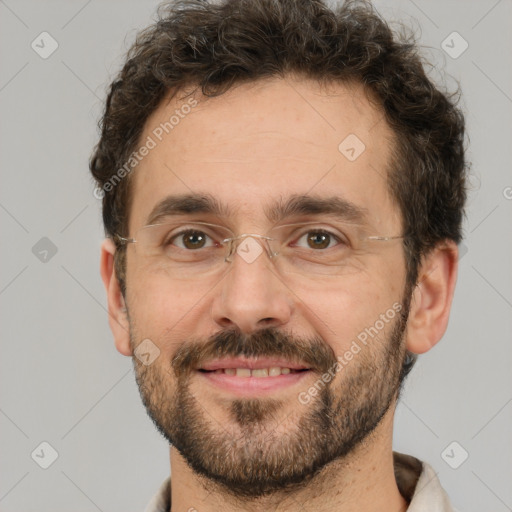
point(263, 142)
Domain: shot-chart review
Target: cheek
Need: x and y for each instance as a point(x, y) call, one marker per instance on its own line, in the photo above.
point(347, 312)
point(163, 311)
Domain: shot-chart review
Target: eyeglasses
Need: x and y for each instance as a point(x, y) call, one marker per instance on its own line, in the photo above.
point(196, 249)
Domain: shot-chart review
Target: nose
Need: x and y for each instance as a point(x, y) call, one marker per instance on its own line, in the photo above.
point(251, 295)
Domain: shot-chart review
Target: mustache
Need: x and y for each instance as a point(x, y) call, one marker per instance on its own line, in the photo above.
point(312, 352)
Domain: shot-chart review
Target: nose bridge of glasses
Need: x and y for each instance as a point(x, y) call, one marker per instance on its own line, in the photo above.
point(249, 250)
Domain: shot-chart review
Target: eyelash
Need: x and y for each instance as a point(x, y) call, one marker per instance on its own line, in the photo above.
point(189, 231)
point(322, 232)
point(170, 240)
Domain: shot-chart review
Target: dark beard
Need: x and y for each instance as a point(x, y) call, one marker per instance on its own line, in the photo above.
point(248, 458)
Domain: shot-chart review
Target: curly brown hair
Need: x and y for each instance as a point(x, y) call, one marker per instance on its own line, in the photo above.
point(212, 46)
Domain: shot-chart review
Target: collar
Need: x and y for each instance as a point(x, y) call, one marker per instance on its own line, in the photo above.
point(417, 482)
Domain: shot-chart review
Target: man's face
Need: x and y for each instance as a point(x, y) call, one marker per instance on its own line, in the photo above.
point(251, 149)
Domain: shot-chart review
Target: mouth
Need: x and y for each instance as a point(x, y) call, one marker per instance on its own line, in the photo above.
point(244, 376)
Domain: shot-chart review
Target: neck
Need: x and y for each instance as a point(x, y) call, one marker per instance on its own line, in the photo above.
point(364, 481)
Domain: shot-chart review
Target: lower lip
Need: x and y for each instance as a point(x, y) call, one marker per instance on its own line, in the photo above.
point(244, 386)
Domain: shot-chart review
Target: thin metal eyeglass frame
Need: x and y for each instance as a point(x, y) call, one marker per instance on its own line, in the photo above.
point(231, 245)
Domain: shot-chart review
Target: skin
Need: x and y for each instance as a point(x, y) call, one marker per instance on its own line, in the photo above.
point(258, 142)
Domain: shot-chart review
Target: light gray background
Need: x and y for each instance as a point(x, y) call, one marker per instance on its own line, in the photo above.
point(62, 380)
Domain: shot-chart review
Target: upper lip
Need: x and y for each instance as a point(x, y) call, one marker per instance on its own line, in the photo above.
point(251, 363)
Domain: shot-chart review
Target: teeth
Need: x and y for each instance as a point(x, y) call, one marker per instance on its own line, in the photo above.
point(273, 371)
point(263, 372)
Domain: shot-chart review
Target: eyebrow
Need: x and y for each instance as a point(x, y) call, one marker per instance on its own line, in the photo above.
point(335, 206)
point(186, 204)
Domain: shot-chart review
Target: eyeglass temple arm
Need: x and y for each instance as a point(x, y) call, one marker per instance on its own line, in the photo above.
point(385, 238)
point(123, 240)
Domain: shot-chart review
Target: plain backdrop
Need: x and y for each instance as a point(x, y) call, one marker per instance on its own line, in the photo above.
point(62, 381)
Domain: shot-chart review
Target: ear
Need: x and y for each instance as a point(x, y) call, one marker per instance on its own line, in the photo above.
point(117, 313)
point(432, 297)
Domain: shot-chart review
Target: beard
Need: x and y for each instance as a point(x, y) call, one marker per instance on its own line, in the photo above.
point(259, 452)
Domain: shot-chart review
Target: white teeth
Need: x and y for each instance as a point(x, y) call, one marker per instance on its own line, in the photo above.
point(273, 371)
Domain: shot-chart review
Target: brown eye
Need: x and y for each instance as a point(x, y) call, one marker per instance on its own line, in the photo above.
point(191, 240)
point(318, 239)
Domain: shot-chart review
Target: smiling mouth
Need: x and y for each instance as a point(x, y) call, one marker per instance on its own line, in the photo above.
point(272, 371)
point(253, 377)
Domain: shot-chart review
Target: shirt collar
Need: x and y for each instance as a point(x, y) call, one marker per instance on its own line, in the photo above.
point(417, 482)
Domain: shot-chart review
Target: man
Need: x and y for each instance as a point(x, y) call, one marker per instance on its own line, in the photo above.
point(283, 196)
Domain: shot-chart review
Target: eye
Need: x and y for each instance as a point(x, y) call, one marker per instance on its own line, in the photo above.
point(318, 239)
point(191, 239)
